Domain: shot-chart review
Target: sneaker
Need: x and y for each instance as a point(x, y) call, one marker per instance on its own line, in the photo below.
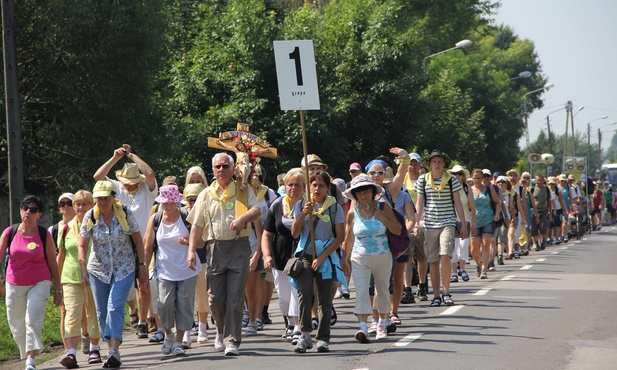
point(536, 247)
point(94, 357)
point(517, 255)
point(260, 324)
point(69, 361)
point(113, 360)
point(288, 333)
point(85, 344)
point(436, 302)
point(454, 278)
point(478, 271)
point(362, 336)
point(295, 337)
point(525, 252)
point(142, 331)
point(491, 265)
point(218, 343)
point(166, 348)
point(483, 275)
point(333, 317)
point(390, 326)
point(265, 318)
point(322, 346)
point(231, 350)
point(30, 367)
point(158, 337)
point(315, 323)
point(344, 292)
point(372, 329)
point(245, 318)
point(338, 294)
point(202, 337)
point(464, 275)
point(251, 329)
point(151, 322)
point(422, 292)
point(382, 332)
point(500, 260)
point(407, 297)
point(178, 350)
point(303, 344)
point(186, 341)
point(447, 299)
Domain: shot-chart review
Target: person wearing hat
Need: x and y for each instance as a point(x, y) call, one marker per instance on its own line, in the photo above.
point(316, 164)
point(367, 243)
point(214, 221)
point(354, 170)
point(558, 205)
point(542, 197)
point(417, 247)
point(461, 246)
point(136, 188)
point(599, 205)
point(176, 283)
point(569, 197)
point(113, 231)
point(610, 205)
point(519, 218)
point(440, 203)
point(65, 207)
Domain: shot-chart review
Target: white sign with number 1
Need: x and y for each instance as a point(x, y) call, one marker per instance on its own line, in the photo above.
point(296, 75)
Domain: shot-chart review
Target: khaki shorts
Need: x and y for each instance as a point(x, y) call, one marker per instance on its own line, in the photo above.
point(417, 247)
point(438, 242)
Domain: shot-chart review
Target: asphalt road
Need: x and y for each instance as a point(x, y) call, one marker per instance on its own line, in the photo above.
point(554, 309)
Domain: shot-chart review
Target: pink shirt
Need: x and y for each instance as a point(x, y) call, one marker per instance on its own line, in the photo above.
point(26, 266)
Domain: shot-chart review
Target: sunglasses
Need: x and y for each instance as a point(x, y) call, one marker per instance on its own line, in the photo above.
point(501, 182)
point(219, 166)
point(378, 173)
point(25, 208)
point(191, 201)
point(526, 178)
point(62, 204)
point(486, 176)
point(459, 174)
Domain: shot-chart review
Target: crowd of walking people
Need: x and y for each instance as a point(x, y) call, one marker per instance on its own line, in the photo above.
point(220, 248)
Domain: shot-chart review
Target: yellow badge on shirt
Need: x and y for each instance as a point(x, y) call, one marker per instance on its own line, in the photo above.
point(32, 246)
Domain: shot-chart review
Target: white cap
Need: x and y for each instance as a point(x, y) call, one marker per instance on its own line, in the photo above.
point(66, 195)
point(487, 172)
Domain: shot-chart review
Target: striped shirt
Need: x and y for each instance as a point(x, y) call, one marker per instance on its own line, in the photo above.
point(439, 209)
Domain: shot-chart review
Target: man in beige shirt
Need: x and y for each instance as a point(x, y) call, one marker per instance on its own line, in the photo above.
point(214, 221)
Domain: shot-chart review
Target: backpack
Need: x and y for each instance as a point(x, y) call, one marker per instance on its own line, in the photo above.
point(398, 243)
point(158, 217)
point(389, 197)
point(13, 231)
point(451, 191)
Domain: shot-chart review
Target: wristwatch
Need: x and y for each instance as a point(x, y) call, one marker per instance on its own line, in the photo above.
point(141, 263)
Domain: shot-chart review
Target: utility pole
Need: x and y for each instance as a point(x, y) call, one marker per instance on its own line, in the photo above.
point(565, 142)
point(550, 142)
point(600, 147)
point(13, 124)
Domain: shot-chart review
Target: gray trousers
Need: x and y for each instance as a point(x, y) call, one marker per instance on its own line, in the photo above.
point(324, 297)
point(176, 302)
point(226, 275)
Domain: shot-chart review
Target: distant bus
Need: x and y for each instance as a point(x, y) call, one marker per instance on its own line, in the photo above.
point(610, 172)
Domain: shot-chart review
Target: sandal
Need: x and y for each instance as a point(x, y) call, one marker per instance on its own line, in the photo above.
point(315, 323)
point(436, 302)
point(395, 319)
point(464, 275)
point(333, 317)
point(134, 319)
point(94, 357)
point(447, 300)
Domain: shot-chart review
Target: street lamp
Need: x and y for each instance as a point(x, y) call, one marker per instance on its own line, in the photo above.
point(459, 45)
point(524, 74)
point(545, 87)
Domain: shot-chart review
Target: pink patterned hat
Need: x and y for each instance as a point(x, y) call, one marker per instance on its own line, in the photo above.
point(169, 194)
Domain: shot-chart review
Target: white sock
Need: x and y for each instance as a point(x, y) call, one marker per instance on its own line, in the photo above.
point(30, 361)
point(363, 326)
point(297, 328)
point(94, 347)
point(203, 327)
point(291, 321)
point(72, 351)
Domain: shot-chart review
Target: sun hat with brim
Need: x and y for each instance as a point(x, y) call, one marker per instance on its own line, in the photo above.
point(552, 180)
point(562, 177)
point(437, 153)
point(129, 174)
point(314, 160)
point(102, 188)
point(502, 178)
point(358, 182)
point(193, 189)
point(169, 194)
point(65, 195)
point(486, 171)
point(458, 168)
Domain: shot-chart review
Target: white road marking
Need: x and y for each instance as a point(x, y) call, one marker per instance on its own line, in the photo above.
point(564, 247)
point(482, 291)
point(541, 260)
point(452, 310)
point(554, 252)
point(526, 267)
point(405, 341)
point(509, 277)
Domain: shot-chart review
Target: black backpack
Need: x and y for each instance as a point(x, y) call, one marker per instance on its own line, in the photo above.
point(13, 231)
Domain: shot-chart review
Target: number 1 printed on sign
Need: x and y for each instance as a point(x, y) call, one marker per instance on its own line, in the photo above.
point(295, 55)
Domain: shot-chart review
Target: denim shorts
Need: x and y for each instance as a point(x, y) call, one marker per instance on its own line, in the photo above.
point(486, 230)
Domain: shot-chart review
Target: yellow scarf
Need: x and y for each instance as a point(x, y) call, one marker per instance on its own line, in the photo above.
point(429, 179)
point(228, 193)
point(118, 211)
point(260, 192)
point(326, 204)
point(74, 226)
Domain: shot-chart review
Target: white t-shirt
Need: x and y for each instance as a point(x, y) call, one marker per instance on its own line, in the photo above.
point(140, 204)
point(171, 256)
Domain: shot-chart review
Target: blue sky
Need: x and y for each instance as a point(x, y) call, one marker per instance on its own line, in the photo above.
point(576, 42)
